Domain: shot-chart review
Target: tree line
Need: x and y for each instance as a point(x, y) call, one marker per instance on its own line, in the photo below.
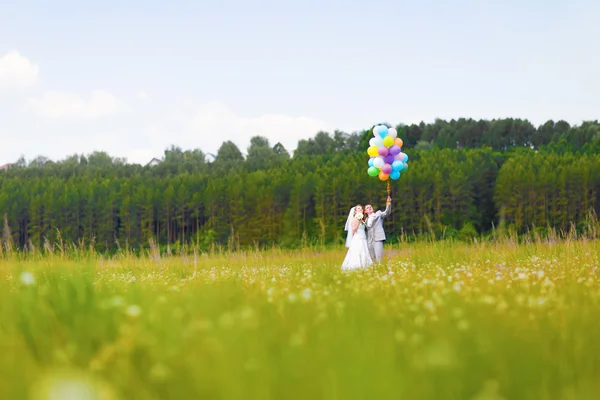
point(465, 178)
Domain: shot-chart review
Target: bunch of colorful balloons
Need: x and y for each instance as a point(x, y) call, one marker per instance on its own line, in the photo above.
point(387, 159)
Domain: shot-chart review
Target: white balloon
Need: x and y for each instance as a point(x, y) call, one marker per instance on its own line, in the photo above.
point(372, 142)
point(376, 131)
point(393, 133)
point(378, 141)
point(378, 162)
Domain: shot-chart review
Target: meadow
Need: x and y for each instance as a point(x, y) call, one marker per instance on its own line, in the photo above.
point(438, 320)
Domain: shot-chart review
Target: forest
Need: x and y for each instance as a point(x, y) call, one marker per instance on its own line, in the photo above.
point(466, 178)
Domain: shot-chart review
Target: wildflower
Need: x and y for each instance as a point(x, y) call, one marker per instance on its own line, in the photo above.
point(541, 301)
point(429, 305)
point(27, 278)
point(71, 385)
point(540, 274)
point(116, 301)
point(133, 311)
point(502, 306)
point(306, 294)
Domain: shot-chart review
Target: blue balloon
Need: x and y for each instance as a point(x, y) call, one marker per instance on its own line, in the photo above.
point(397, 165)
point(405, 157)
point(371, 162)
point(383, 131)
point(395, 175)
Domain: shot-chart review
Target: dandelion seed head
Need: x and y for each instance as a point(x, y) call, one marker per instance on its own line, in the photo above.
point(133, 311)
point(27, 278)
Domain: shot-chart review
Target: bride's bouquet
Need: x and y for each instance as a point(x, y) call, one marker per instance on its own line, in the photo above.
point(359, 217)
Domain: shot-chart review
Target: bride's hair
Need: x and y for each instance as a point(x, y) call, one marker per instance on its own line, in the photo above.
point(363, 212)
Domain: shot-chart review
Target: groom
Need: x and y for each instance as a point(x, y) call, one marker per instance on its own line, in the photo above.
point(375, 232)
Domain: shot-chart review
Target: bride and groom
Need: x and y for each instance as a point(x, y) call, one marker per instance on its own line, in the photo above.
point(365, 236)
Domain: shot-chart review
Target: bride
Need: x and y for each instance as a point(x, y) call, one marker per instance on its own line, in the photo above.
point(358, 255)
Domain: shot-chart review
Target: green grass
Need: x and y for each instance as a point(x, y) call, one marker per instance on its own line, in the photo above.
point(438, 321)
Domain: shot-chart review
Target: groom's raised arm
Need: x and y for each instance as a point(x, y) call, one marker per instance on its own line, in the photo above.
point(388, 207)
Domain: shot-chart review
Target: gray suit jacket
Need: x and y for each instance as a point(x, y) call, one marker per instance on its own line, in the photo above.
point(375, 232)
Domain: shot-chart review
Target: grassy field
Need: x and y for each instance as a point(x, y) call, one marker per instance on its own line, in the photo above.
point(437, 321)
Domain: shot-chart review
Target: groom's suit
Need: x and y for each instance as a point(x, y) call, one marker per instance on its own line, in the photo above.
point(376, 234)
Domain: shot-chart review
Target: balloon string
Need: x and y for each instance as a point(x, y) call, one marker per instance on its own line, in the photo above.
point(388, 188)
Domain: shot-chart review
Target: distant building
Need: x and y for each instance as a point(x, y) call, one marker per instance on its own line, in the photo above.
point(6, 166)
point(154, 162)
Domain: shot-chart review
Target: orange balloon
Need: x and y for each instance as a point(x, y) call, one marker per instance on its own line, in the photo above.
point(383, 176)
point(398, 142)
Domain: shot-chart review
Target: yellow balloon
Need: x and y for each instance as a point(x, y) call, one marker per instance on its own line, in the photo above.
point(388, 141)
point(373, 151)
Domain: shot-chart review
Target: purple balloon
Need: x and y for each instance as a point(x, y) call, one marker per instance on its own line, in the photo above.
point(386, 169)
point(395, 149)
point(388, 159)
point(383, 151)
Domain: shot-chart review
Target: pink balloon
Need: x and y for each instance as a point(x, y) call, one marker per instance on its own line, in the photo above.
point(383, 151)
point(386, 169)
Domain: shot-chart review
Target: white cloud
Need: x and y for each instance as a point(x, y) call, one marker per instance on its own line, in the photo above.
point(143, 96)
point(55, 104)
point(216, 124)
point(17, 71)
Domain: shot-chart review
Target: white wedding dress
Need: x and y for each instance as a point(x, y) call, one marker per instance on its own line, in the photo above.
point(358, 255)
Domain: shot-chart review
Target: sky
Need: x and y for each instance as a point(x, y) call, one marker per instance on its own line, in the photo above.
point(134, 77)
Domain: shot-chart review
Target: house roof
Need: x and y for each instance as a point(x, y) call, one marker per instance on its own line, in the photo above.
point(154, 161)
